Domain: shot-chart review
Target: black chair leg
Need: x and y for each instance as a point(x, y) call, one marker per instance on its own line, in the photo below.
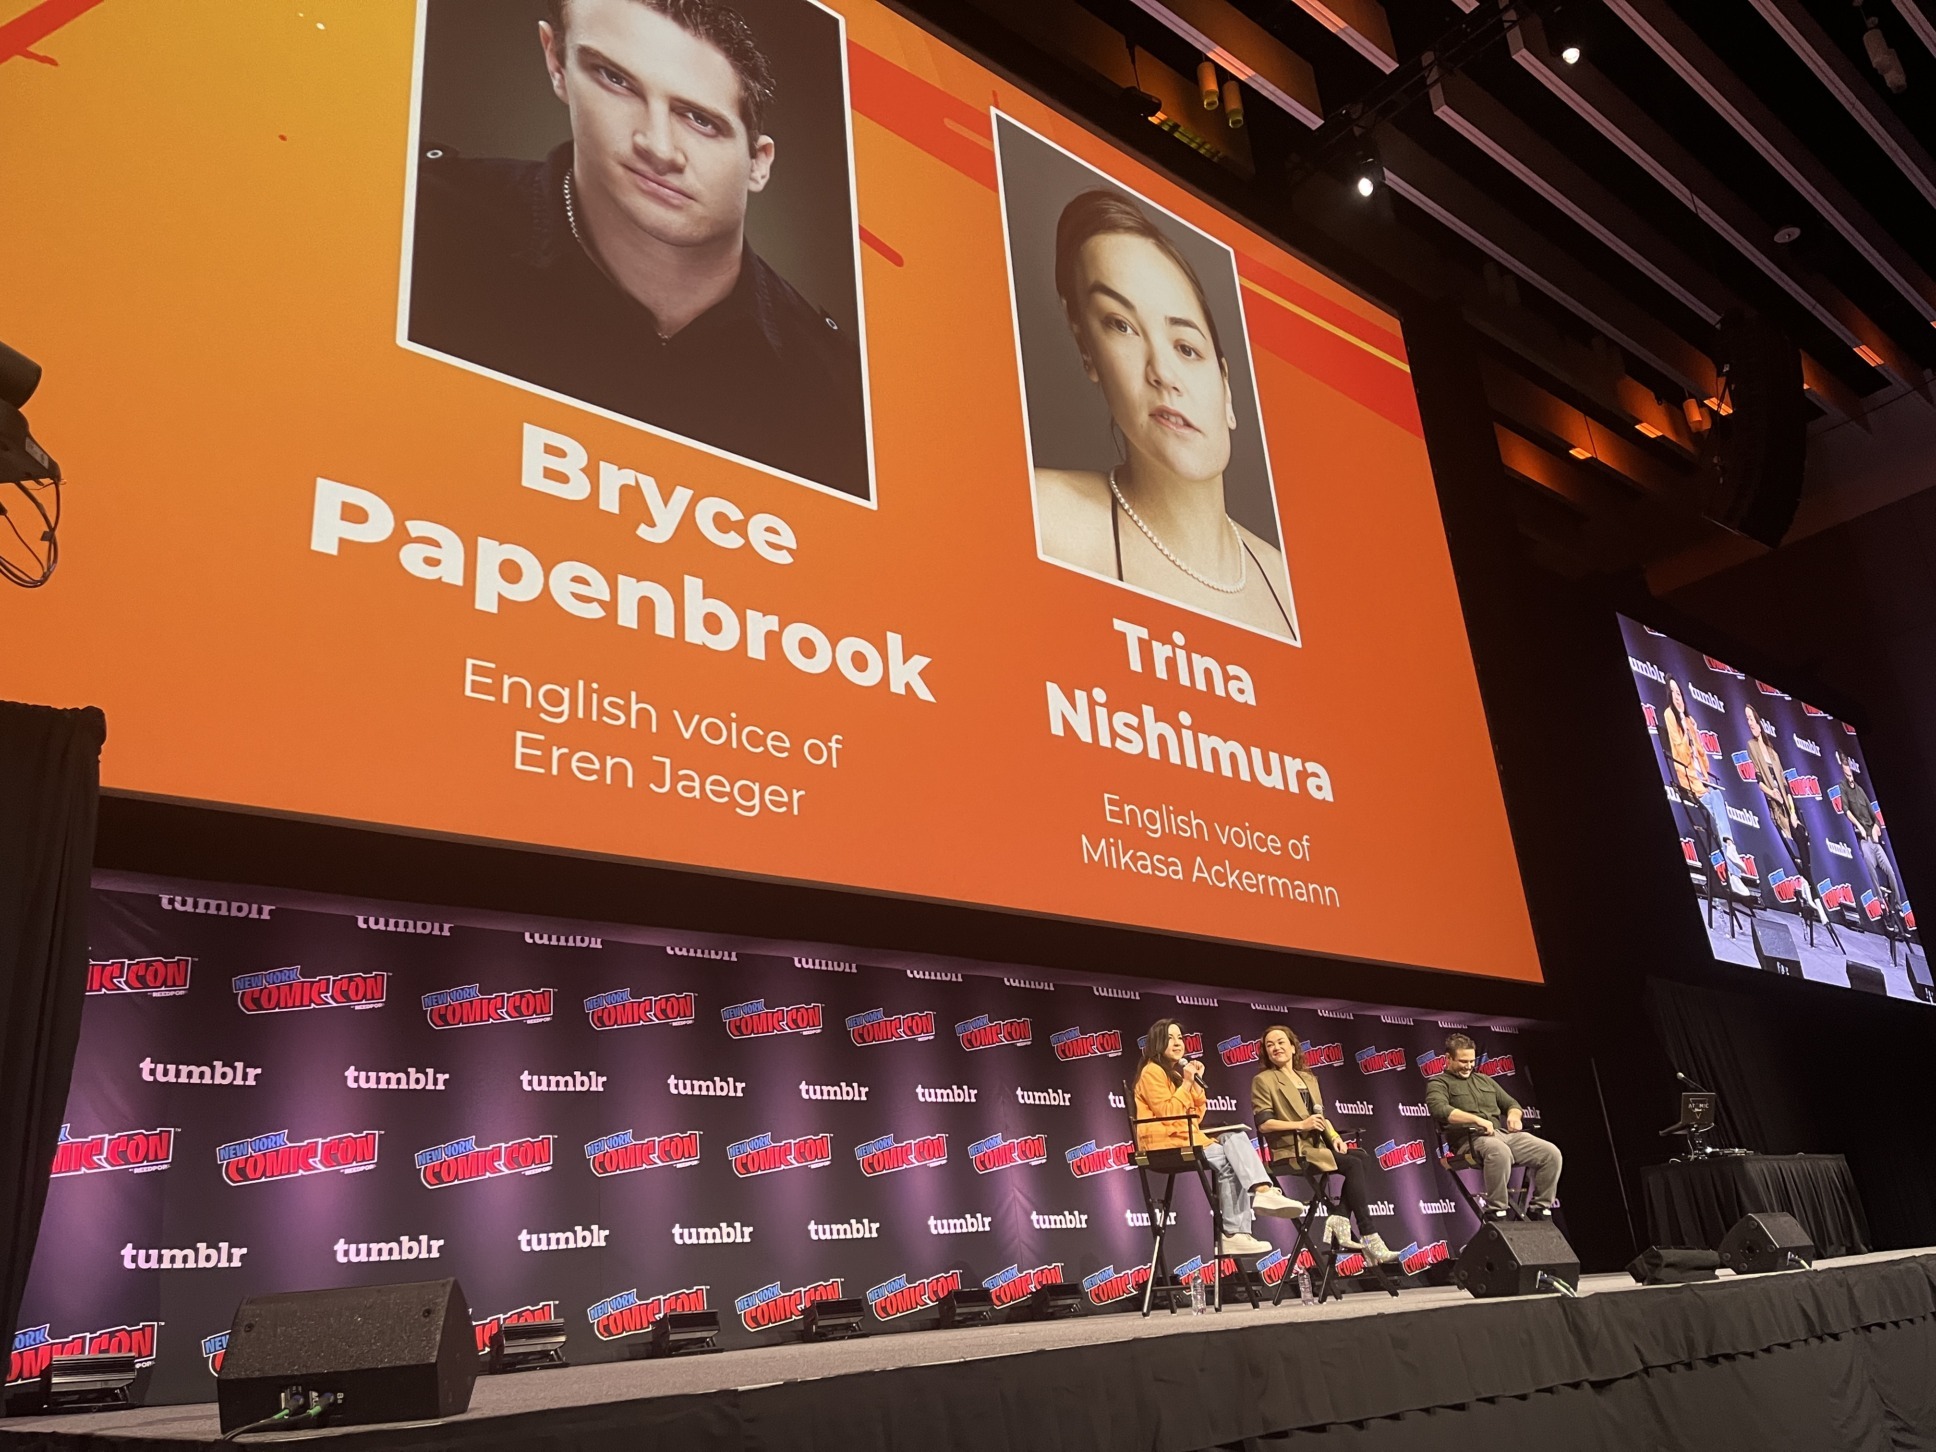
point(1159, 1215)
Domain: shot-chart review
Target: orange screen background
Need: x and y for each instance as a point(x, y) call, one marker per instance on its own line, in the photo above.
point(213, 292)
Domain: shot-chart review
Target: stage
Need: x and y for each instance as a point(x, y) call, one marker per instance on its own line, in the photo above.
point(1837, 1357)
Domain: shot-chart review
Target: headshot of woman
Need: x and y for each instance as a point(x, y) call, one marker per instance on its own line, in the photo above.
point(1157, 517)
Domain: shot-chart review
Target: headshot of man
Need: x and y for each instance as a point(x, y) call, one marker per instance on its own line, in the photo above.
point(617, 270)
point(1137, 319)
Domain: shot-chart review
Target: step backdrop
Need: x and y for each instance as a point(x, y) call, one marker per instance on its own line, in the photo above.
point(276, 1091)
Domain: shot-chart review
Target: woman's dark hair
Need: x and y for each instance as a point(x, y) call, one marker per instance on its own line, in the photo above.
point(1103, 213)
point(1297, 1046)
point(1153, 1046)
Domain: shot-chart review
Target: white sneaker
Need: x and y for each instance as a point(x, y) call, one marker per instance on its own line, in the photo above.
point(1276, 1202)
point(1246, 1245)
point(1377, 1250)
point(1337, 1231)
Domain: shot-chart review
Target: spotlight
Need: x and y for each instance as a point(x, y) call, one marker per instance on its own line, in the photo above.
point(1207, 83)
point(1367, 171)
point(526, 1346)
point(834, 1320)
point(1787, 234)
point(1883, 58)
point(1571, 55)
point(84, 1384)
point(31, 471)
point(1233, 105)
point(681, 1332)
point(1565, 23)
point(969, 1306)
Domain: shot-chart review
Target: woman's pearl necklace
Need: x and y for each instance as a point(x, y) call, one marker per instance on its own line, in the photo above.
point(1243, 555)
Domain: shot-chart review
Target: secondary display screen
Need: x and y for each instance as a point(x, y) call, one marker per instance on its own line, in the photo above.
point(756, 439)
point(1780, 824)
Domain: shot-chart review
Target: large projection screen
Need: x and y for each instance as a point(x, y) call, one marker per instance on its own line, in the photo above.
point(1780, 824)
point(767, 442)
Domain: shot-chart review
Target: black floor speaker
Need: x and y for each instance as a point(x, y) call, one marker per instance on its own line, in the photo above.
point(1866, 977)
point(1775, 946)
point(1769, 1240)
point(391, 1353)
point(1507, 1258)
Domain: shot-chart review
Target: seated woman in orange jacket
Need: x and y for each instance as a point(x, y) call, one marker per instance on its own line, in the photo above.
point(1170, 1087)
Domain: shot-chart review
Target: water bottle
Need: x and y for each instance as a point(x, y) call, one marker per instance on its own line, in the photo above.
point(1303, 1286)
point(1196, 1295)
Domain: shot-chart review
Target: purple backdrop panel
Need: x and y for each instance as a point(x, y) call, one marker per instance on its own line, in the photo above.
point(277, 1091)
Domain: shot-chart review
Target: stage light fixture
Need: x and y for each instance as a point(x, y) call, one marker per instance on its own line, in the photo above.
point(1233, 105)
point(1565, 24)
point(32, 472)
point(1207, 83)
point(1052, 1302)
point(969, 1306)
point(681, 1333)
point(834, 1320)
point(81, 1384)
point(1787, 234)
point(1697, 417)
point(1367, 170)
point(526, 1346)
point(1883, 57)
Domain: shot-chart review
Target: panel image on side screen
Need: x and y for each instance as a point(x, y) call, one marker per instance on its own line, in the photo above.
point(1780, 825)
point(1146, 441)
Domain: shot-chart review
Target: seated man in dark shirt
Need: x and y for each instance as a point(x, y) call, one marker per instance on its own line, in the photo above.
point(1482, 1121)
point(617, 270)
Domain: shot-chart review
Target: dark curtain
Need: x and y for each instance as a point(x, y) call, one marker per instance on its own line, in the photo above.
point(50, 776)
point(1806, 1069)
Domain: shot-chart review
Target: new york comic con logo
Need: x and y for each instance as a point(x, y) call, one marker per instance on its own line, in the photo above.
point(618, 1009)
point(277, 1157)
point(1415, 1257)
point(763, 1154)
point(1323, 1056)
point(1380, 1061)
point(214, 1349)
point(1110, 1284)
point(463, 1161)
point(622, 1153)
point(1499, 1067)
point(999, 1152)
point(1006, 1287)
point(885, 1155)
point(878, 1026)
point(903, 1297)
point(754, 1020)
point(466, 1007)
point(34, 1347)
point(629, 1313)
point(285, 990)
point(1074, 1043)
point(156, 977)
point(1392, 1155)
point(1090, 1158)
point(1240, 1050)
point(1432, 1063)
point(135, 1150)
point(770, 1306)
point(487, 1328)
point(983, 1032)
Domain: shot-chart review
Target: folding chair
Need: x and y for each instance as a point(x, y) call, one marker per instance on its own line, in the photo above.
point(1324, 1188)
point(1170, 1163)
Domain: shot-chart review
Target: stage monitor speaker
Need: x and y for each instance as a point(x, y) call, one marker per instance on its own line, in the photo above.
point(398, 1353)
point(1775, 946)
point(1768, 1240)
point(1661, 1265)
point(1754, 468)
point(1918, 968)
point(1866, 977)
point(1509, 1257)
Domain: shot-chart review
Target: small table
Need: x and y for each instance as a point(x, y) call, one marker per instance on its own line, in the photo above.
point(1692, 1205)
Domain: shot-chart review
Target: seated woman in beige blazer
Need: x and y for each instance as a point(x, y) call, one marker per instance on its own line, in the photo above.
point(1290, 1116)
